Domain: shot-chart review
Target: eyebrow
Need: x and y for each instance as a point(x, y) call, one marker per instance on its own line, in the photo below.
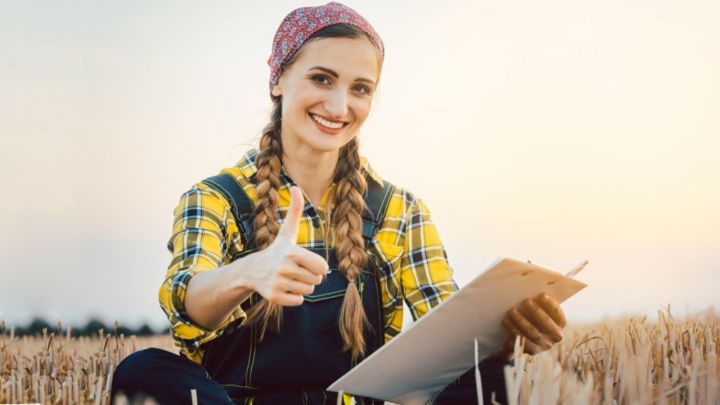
point(335, 75)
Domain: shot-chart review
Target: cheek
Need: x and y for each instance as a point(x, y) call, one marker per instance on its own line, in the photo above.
point(292, 104)
point(362, 110)
point(304, 97)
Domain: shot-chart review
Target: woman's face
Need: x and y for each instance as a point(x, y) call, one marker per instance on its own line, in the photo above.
point(327, 93)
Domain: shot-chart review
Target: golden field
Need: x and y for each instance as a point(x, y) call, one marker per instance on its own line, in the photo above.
point(631, 361)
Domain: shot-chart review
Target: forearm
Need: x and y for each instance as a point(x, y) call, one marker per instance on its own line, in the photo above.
point(212, 296)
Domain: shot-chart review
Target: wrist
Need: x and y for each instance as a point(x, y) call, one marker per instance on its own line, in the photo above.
point(240, 272)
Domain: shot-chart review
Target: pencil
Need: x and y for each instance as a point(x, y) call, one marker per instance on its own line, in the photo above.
point(576, 269)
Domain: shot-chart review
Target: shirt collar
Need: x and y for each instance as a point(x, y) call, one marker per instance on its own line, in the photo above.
point(248, 167)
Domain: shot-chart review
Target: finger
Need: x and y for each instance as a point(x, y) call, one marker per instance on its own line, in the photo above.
point(291, 224)
point(295, 287)
point(514, 331)
point(286, 299)
point(303, 275)
point(530, 347)
point(534, 348)
point(309, 260)
point(542, 321)
point(526, 328)
point(508, 324)
point(553, 309)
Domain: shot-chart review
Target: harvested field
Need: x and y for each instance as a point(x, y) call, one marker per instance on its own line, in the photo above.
point(633, 361)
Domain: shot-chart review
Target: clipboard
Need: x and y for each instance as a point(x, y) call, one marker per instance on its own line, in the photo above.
point(420, 362)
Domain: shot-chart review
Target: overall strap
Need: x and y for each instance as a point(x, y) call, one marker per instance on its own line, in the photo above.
point(240, 204)
point(377, 199)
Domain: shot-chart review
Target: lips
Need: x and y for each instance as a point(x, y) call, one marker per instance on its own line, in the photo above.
point(326, 122)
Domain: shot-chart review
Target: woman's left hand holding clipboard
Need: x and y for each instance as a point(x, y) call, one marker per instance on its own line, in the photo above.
point(539, 320)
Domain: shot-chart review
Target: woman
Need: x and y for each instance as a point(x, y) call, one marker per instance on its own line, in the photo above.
point(293, 265)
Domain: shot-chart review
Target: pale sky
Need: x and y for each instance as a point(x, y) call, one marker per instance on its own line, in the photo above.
point(554, 131)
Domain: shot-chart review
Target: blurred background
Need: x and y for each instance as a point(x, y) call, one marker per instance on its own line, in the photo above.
point(554, 131)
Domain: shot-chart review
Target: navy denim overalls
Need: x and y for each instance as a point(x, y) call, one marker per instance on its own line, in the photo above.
point(297, 364)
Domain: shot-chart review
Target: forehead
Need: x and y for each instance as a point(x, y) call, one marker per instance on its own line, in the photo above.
point(352, 57)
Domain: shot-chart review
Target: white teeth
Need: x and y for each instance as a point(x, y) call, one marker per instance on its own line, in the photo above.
point(326, 123)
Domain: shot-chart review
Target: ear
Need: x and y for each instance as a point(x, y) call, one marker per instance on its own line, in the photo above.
point(276, 91)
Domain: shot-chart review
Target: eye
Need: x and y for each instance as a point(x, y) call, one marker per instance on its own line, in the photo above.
point(362, 89)
point(320, 79)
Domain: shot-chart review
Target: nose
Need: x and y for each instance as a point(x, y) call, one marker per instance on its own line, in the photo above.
point(337, 104)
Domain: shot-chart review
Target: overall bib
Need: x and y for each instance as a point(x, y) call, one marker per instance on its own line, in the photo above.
point(306, 356)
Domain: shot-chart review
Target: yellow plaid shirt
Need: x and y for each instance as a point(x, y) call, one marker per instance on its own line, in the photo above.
point(407, 247)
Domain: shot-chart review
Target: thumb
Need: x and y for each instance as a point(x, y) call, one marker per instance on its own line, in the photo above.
point(291, 223)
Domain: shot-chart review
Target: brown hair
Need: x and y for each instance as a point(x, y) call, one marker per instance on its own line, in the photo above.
point(346, 205)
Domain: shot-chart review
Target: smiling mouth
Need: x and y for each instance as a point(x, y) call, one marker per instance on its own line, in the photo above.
point(327, 123)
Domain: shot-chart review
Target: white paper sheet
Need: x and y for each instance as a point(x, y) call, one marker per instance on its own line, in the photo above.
point(420, 362)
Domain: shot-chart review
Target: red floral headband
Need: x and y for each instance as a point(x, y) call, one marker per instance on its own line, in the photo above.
point(303, 22)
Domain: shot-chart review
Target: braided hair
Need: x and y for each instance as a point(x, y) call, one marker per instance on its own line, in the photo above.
point(346, 205)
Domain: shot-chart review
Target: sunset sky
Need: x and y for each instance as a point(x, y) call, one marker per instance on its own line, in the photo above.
point(554, 131)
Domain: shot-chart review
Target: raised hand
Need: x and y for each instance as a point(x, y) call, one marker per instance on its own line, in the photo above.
point(284, 272)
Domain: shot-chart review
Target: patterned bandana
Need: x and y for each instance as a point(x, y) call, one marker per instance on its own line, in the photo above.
point(303, 22)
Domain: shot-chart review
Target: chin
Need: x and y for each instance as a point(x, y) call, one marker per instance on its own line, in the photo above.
point(325, 147)
point(328, 145)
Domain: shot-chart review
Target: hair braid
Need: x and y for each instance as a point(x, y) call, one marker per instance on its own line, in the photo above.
point(346, 221)
point(346, 218)
point(266, 224)
point(350, 248)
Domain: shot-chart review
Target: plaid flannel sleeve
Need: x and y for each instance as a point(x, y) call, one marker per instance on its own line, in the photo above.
point(198, 243)
point(426, 275)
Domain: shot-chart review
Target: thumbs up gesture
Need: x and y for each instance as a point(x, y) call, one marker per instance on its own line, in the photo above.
point(284, 272)
point(291, 225)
